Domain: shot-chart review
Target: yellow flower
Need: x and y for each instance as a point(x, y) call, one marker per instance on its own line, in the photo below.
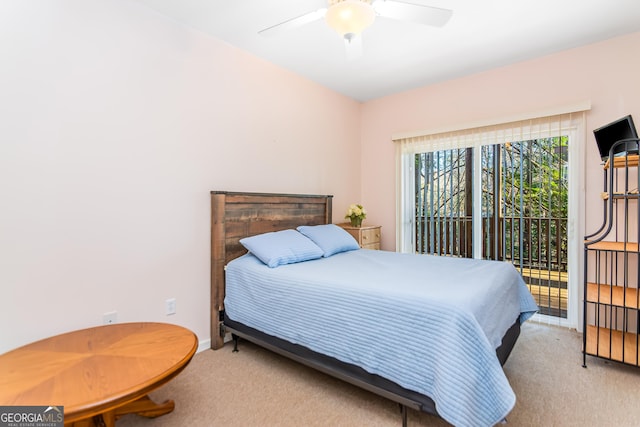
point(356, 211)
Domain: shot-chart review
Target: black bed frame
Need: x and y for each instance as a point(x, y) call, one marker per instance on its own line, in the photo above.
point(351, 373)
point(238, 215)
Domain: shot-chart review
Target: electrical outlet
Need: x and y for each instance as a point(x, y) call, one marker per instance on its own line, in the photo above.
point(170, 306)
point(110, 317)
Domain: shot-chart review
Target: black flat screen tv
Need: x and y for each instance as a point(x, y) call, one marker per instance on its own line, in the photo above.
point(613, 132)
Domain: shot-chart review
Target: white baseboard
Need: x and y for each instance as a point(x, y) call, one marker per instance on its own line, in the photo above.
point(204, 345)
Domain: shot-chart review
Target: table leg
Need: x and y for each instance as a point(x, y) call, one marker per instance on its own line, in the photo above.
point(88, 422)
point(146, 407)
point(108, 419)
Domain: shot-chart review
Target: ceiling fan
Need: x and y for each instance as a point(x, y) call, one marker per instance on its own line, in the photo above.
point(350, 17)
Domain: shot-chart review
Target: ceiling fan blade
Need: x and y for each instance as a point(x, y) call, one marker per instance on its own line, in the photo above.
point(421, 14)
point(292, 23)
point(353, 47)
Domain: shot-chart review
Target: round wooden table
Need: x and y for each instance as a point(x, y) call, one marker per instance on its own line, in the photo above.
point(98, 374)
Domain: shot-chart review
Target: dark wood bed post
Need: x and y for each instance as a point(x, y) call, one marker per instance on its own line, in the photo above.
point(218, 201)
point(238, 215)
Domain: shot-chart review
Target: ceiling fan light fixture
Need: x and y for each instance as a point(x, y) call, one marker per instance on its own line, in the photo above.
point(350, 17)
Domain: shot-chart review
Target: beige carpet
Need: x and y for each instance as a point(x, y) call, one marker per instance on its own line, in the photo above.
point(257, 388)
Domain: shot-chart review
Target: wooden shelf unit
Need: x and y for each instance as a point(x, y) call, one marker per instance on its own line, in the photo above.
point(617, 296)
point(613, 246)
point(612, 269)
point(630, 161)
point(612, 344)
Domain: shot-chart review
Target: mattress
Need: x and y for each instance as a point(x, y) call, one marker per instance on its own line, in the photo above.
point(430, 324)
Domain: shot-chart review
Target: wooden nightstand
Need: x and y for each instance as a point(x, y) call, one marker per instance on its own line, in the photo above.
point(368, 236)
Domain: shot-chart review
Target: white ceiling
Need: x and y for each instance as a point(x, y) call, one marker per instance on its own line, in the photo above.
point(398, 56)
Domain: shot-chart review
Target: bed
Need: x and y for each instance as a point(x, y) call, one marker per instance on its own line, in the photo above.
point(439, 351)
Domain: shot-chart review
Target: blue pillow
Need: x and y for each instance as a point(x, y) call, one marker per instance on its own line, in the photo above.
point(331, 238)
point(281, 247)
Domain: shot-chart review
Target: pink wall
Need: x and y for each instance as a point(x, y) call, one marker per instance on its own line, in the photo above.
point(115, 124)
point(605, 73)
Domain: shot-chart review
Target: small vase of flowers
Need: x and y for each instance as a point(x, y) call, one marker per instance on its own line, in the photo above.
point(355, 214)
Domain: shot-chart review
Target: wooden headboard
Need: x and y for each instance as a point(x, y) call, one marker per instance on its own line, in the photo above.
point(238, 215)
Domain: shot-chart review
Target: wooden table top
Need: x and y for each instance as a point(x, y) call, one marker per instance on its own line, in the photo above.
point(95, 370)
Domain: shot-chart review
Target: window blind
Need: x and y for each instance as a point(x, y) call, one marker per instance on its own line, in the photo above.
point(499, 133)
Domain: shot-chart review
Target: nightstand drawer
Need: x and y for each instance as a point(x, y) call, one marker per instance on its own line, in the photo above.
point(375, 246)
point(368, 237)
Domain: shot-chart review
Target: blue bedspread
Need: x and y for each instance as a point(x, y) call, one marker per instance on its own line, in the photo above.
point(431, 324)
